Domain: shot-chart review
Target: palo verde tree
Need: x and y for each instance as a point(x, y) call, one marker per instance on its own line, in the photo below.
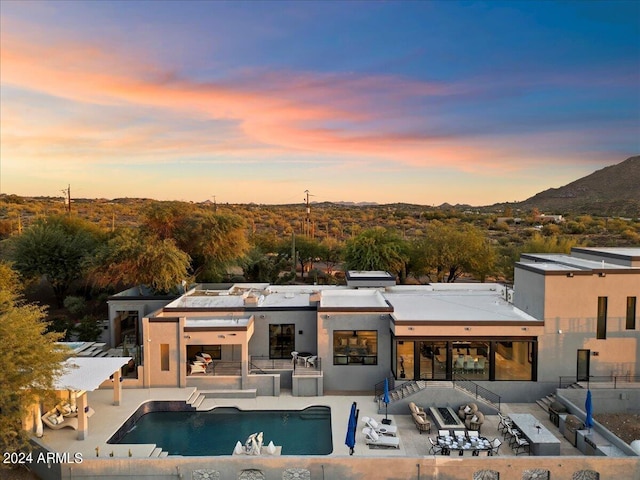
point(30, 360)
point(56, 248)
point(376, 249)
point(450, 249)
point(132, 258)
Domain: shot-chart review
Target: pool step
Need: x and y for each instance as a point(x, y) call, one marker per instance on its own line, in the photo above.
point(198, 401)
point(193, 396)
point(156, 452)
point(247, 393)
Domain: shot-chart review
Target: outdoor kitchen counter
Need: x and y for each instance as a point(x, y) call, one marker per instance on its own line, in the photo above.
point(541, 440)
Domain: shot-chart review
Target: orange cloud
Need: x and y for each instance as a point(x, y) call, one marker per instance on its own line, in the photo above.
point(265, 114)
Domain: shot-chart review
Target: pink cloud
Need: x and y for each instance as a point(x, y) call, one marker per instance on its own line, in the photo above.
point(268, 112)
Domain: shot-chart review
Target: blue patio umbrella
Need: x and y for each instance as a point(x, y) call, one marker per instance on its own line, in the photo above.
point(385, 399)
point(350, 441)
point(588, 408)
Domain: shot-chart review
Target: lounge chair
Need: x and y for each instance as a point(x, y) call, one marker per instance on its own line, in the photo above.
point(374, 440)
point(198, 367)
point(422, 424)
point(55, 421)
point(467, 410)
point(204, 358)
point(417, 410)
point(380, 429)
point(475, 421)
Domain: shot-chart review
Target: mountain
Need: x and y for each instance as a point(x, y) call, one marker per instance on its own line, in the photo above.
point(611, 191)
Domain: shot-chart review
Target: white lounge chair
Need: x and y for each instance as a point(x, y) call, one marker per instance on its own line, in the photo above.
point(204, 358)
point(375, 440)
point(55, 421)
point(198, 367)
point(380, 429)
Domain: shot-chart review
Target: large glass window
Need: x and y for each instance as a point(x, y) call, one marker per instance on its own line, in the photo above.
point(433, 360)
point(471, 359)
point(406, 365)
point(355, 347)
point(514, 360)
point(601, 332)
point(281, 340)
point(631, 313)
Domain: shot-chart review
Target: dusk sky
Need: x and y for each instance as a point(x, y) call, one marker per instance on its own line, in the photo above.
point(420, 102)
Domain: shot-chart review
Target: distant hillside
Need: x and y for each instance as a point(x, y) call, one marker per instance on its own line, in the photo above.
point(612, 191)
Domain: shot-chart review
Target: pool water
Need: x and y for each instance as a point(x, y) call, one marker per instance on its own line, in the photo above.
point(215, 432)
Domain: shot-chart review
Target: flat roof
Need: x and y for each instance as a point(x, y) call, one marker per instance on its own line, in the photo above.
point(563, 262)
point(455, 305)
point(628, 252)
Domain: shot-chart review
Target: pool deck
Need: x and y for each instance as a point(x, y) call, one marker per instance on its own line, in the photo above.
point(108, 418)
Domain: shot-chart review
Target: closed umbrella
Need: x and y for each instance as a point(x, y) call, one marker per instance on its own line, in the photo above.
point(588, 408)
point(350, 441)
point(385, 399)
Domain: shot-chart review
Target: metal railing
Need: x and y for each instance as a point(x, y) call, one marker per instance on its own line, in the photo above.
point(309, 369)
point(477, 390)
point(378, 389)
point(611, 381)
point(218, 368)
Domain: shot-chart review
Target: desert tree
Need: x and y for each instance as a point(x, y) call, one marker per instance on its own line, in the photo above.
point(56, 248)
point(30, 360)
point(212, 240)
point(131, 258)
point(450, 249)
point(376, 249)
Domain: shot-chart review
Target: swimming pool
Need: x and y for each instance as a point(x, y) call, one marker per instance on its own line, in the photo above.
point(215, 432)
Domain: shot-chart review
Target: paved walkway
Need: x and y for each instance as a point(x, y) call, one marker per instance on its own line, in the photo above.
point(108, 418)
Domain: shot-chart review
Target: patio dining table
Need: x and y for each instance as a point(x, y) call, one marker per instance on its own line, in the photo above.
point(303, 357)
point(462, 444)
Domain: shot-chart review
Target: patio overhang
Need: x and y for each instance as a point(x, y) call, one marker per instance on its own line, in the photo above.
point(81, 375)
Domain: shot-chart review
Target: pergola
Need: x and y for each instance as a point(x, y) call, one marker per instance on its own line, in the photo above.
point(86, 374)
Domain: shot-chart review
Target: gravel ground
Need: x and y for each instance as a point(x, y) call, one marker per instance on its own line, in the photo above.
point(625, 426)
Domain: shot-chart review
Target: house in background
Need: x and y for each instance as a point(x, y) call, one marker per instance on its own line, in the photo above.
point(568, 315)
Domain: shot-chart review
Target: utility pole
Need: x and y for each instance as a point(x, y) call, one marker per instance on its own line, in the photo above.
point(307, 223)
point(67, 192)
point(215, 205)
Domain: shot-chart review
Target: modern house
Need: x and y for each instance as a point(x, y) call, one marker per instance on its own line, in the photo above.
point(567, 315)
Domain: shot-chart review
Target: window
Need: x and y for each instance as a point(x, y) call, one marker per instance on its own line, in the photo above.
point(281, 340)
point(355, 347)
point(514, 360)
point(164, 357)
point(601, 332)
point(631, 313)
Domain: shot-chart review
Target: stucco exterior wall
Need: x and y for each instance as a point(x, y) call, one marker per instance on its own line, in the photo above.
point(529, 292)
point(353, 467)
point(571, 306)
point(353, 377)
point(143, 306)
point(158, 333)
point(304, 320)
